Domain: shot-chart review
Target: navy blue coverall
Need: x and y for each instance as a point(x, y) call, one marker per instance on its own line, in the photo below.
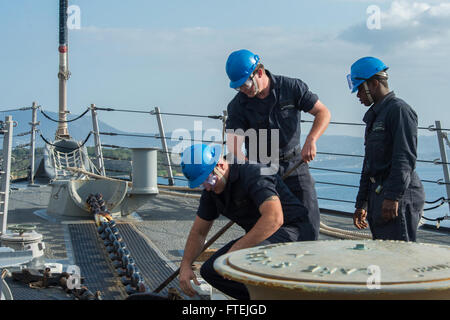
point(280, 110)
point(244, 193)
point(388, 169)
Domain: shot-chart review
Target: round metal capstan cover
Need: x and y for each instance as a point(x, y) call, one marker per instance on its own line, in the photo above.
point(341, 267)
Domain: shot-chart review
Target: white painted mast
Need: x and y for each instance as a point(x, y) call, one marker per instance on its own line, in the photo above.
point(62, 132)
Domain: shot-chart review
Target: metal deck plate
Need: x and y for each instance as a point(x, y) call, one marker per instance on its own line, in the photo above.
point(21, 291)
point(346, 262)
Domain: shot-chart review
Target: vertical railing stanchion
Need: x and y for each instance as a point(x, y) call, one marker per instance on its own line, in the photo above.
point(224, 125)
point(7, 149)
point(33, 124)
point(98, 145)
point(164, 145)
point(440, 136)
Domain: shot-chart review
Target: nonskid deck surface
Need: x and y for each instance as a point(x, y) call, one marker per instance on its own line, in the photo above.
point(155, 237)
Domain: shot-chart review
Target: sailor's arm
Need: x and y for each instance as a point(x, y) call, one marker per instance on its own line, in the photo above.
point(322, 118)
point(270, 221)
point(192, 250)
point(360, 214)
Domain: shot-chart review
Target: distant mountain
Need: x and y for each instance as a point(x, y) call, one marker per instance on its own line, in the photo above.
point(78, 130)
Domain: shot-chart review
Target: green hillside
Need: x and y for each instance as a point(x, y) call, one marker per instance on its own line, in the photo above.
point(117, 162)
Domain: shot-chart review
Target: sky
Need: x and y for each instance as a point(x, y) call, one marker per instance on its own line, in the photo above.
point(142, 54)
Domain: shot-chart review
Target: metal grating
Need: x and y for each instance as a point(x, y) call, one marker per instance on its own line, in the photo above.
point(152, 267)
point(92, 258)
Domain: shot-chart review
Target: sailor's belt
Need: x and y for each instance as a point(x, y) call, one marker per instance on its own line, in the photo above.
point(379, 187)
point(377, 179)
point(286, 156)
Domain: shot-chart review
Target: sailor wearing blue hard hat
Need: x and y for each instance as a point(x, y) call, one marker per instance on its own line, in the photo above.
point(262, 205)
point(364, 69)
point(265, 101)
point(391, 195)
point(199, 165)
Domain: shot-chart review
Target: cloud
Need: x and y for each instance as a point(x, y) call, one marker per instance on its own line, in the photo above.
point(184, 68)
point(405, 25)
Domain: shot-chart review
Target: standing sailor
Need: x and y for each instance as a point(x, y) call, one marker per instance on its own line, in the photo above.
point(271, 102)
point(261, 204)
point(391, 195)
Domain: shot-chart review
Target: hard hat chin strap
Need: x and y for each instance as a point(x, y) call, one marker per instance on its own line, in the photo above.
point(369, 96)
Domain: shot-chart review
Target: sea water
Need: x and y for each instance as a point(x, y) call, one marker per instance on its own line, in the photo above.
point(431, 172)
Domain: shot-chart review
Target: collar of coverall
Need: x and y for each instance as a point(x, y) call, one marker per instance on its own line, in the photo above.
point(380, 105)
point(369, 116)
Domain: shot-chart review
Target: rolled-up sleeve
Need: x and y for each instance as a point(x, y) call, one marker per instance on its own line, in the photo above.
point(305, 98)
point(207, 209)
point(259, 187)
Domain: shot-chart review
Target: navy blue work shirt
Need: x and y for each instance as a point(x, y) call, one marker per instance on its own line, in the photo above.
point(390, 148)
point(279, 110)
point(244, 193)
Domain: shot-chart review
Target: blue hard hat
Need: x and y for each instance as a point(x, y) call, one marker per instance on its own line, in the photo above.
point(364, 69)
point(198, 161)
point(239, 67)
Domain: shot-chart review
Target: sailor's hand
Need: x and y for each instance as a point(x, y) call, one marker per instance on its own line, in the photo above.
point(389, 210)
point(359, 219)
point(309, 150)
point(185, 277)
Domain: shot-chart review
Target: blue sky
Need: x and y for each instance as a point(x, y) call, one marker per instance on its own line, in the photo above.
point(171, 54)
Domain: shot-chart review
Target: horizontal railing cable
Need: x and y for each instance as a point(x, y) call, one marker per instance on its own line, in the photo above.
point(66, 121)
point(429, 128)
point(61, 147)
point(337, 200)
point(339, 123)
point(341, 154)
point(155, 137)
point(22, 145)
point(435, 161)
point(22, 134)
point(337, 184)
point(121, 147)
point(173, 165)
point(442, 199)
point(439, 181)
point(115, 158)
point(190, 115)
point(335, 170)
point(17, 109)
point(152, 112)
point(176, 178)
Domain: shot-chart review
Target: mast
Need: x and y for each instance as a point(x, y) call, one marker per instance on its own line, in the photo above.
point(63, 74)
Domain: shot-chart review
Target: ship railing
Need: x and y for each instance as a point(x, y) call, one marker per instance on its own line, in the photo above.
point(23, 160)
point(165, 152)
point(172, 170)
point(6, 129)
